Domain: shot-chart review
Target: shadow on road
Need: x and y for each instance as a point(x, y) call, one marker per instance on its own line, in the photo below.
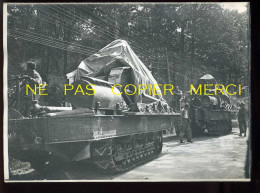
point(69, 171)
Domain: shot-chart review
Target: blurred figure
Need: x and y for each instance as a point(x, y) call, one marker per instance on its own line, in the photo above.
point(177, 99)
point(242, 115)
point(185, 128)
point(195, 102)
point(34, 76)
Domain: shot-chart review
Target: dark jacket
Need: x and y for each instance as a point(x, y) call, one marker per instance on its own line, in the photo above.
point(242, 114)
point(35, 78)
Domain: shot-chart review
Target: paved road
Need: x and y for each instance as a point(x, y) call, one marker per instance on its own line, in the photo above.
point(207, 158)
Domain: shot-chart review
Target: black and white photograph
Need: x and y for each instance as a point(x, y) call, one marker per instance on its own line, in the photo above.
point(127, 92)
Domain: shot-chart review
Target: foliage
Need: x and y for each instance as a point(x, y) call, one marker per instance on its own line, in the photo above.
point(194, 39)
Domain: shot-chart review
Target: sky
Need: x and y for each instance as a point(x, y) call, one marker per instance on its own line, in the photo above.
point(240, 7)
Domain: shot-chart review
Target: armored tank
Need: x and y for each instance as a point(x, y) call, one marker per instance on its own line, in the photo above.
point(104, 125)
point(210, 114)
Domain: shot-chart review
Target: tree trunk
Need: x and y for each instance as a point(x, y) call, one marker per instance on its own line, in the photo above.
point(192, 55)
point(223, 73)
point(65, 62)
point(182, 46)
point(65, 52)
point(168, 67)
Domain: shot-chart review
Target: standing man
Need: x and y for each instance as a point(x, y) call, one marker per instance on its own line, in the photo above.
point(185, 128)
point(177, 99)
point(33, 78)
point(242, 115)
point(195, 104)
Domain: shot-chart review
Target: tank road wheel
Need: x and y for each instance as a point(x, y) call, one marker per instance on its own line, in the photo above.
point(138, 153)
point(123, 166)
point(158, 142)
point(128, 159)
point(133, 156)
point(152, 152)
point(212, 128)
point(149, 153)
point(141, 154)
point(218, 128)
point(144, 153)
point(227, 127)
point(229, 124)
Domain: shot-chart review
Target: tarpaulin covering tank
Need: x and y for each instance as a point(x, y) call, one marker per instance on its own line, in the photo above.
point(116, 54)
point(209, 79)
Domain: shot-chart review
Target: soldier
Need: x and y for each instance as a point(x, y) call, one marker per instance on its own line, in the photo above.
point(195, 102)
point(194, 105)
point(33, 78)
point(177, 99)
point(242, 119)
point(185, 128)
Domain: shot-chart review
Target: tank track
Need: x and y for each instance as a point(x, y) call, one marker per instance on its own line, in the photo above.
point(218, 128)
point(124, 153)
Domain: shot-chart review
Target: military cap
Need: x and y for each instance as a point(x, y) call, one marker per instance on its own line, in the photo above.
point(31, 65)
point(187, 105)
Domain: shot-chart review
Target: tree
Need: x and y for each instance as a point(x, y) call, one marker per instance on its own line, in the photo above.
point(199, 38)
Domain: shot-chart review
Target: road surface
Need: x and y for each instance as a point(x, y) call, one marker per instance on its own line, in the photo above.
point(207, 158)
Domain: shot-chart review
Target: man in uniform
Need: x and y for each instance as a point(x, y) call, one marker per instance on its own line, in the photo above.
point(177, 99)
point(195, 104)
point(33, 78)
point(242, 115)
point(185, 128)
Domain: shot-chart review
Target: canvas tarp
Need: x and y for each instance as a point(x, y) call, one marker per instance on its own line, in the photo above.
point(101, 63)
point(209, 79)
